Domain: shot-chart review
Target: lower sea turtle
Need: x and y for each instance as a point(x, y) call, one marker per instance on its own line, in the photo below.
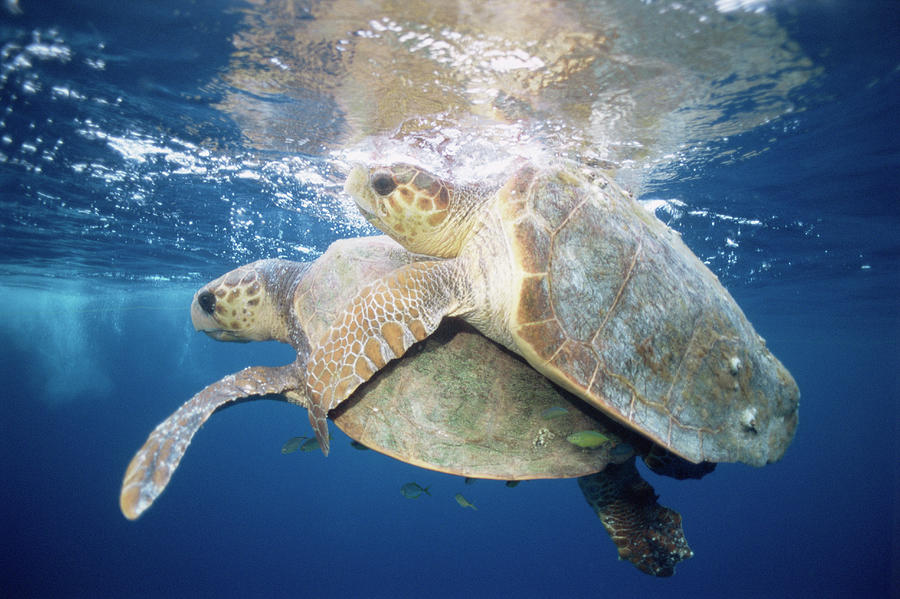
point(574, 275)
point(457, 403)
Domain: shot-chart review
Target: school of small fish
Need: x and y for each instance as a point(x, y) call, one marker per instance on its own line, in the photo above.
point(413, 490)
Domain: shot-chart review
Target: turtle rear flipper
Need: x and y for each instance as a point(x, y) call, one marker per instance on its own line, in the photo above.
point(666, 463)
point(646, 534)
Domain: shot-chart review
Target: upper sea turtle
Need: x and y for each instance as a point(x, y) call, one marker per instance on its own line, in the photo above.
point(589, 287)
point(458, 403)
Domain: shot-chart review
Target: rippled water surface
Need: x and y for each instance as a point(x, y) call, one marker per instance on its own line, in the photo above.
point(146, 148)
point(232, 146)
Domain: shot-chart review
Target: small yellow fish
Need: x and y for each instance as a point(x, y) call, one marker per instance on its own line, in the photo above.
point(463, 502)
point(311, 444)
point(587, 439)
point(292, 445)
point(554, 412)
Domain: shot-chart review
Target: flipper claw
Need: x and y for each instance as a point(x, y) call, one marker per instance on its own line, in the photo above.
point(318, 418)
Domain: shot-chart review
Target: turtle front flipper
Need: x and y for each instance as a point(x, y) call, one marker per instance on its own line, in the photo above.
point(378, 325)
point(646, 534)
point(152, 466)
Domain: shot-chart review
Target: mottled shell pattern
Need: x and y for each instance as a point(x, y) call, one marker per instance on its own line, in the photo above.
point(608, 302)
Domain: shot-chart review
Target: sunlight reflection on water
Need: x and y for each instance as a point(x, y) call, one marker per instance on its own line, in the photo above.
point(648, 89)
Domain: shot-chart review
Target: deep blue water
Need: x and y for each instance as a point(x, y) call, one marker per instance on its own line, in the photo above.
point(103, 242)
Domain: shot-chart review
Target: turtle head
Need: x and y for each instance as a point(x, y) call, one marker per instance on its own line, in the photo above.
point(246, 304)
point(423, 213)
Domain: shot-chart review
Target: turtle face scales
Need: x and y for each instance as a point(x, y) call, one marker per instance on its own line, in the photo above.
point(423, 213)
point(235, 307)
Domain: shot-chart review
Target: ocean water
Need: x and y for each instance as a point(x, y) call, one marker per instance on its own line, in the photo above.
point(148, 148)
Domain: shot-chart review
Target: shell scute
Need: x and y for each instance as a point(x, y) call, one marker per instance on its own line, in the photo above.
point(543, 337)
point(522, 181)
point(578, 361)
point(554, 199)
point(648, 416)
point(534, 300)
point(681, 436)
point(533, 244)
point(587, 268)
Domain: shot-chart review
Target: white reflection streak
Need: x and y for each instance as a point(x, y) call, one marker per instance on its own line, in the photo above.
point(757, 6)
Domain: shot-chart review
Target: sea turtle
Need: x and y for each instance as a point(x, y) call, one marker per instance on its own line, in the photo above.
point(569, 271)
point(458, 403)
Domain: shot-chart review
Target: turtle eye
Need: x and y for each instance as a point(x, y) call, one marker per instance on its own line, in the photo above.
point(383, 183)
point(207, 301)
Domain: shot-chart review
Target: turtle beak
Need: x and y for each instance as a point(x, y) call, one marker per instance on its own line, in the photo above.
point(203, 310)
point(357, 187)
point(207, 324)
point(223, 335)
point(203, 317)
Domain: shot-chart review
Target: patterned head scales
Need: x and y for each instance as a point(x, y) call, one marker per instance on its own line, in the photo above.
point(422, 212)
point(236, 306)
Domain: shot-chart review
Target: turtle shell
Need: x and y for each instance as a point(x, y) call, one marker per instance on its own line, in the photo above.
point(464, 405)
point(612, 305)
